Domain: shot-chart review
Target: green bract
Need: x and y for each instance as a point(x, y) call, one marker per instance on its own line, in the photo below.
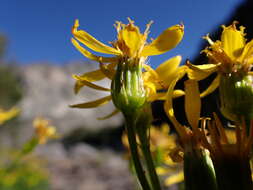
point(236, 96)
point(127, 87)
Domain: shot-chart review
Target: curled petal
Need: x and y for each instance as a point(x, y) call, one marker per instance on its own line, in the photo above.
point(165, 42)
point(168, 105)
point(93, 104)
point(212, 87)
point(92, 42)
point(91, 56)
point(200, 72)
point(192, 103)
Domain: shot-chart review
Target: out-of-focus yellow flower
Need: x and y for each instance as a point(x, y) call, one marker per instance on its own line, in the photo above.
point(231, 54)
point(9, 114)
point(131, 46)
point(43, 130)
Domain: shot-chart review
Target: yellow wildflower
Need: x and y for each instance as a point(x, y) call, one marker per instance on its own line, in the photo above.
point(7, 115)
point(229, 55)
point(43, 130)
point(131, 46)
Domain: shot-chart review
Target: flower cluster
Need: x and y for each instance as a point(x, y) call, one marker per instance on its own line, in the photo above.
point(210, 158)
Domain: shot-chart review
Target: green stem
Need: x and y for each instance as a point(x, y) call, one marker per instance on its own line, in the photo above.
point(198, 170)
point(149, 161)
point(130, 124)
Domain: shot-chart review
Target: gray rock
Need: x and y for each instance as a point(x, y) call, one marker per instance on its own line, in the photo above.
point(86, 168)
point(48, 92)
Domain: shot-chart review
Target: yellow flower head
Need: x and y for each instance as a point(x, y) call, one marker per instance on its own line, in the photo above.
point(230, 54)
point(43, 130)
point(131, 43)
point(131, 47)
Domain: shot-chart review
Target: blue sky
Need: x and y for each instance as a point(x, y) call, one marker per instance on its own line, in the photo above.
point(41, 30)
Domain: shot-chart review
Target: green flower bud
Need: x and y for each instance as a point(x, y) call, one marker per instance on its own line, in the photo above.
point(127, 87)
point(236, 96)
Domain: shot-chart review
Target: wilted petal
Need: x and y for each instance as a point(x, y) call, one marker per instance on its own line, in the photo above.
point(92, 42)
point(93, 104)
point(166, 41)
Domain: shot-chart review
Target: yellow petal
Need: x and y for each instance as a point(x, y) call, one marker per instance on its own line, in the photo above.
point(91, 56)
point(167, 69)
point(200, 72)
point(174, 178)
point(132, 38)
point(92, 76)
point(92, 42)
point(233, 40)
point(107, 70)
point(109, 115)
point(93, 104)
point(178, 93)
point(168, 105)
point(151, 71)
point(166, 41)
point(163, 95)
point(215, 83)
point(192, 103)
point(7, 115)
point(81, 83)
point(246, 57)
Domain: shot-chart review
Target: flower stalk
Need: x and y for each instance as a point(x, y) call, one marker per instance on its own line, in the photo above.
point(142, 126)
point(131, 134)
point(198, 170)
